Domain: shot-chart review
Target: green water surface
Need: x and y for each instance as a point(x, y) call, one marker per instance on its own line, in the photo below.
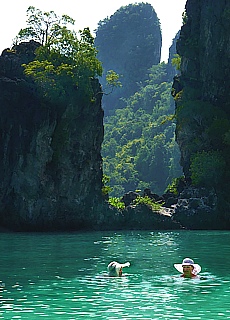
point(64, 276)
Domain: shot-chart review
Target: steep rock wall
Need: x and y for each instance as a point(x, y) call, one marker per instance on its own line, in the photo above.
point(129, 42)
point(171, 69)
point(204, 47)
point(50, 161)
point(203, 110)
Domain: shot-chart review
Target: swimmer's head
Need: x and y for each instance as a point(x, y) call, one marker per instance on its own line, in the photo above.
point(115, 268)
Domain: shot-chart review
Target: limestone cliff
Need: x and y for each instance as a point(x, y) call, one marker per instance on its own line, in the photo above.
point(171, 69)
point(50, 161)
point(129, 42)
point(203, 99)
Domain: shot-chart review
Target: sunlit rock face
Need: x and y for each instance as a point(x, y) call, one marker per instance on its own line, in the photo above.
point(203, 99)
point(50, 160)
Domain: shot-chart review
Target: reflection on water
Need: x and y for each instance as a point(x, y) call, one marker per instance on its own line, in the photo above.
point(63, 276)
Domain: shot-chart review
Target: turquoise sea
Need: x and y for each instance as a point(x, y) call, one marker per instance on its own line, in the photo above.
point(64, 276)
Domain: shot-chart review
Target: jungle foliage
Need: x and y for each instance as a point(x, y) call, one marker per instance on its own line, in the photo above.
point(139, 149)
point(65, 58)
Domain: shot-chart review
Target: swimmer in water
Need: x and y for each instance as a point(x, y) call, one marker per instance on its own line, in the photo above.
point(115, 269)
point(188, 268)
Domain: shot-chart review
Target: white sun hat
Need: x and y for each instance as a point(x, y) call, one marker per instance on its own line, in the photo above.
point(188, 262)
point(114, 268)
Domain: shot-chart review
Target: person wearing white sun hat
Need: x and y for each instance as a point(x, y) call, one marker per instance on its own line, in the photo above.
point(188, 268)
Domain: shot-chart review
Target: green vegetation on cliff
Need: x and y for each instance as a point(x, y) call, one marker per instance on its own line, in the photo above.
point(64, 60)
point(202, 95)
point(139, 149)
point(128, 42)
point(202, 129)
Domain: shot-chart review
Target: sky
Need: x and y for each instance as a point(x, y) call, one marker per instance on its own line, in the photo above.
point(87, 13)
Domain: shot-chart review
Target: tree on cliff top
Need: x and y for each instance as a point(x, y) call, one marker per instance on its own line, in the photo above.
point(42, 25)
point(64, 60)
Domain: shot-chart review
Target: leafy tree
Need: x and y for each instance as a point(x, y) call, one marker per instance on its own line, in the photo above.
point(148, 202)
point(106, 189)
point(112, 81)
point(64, 61)
point(175, 185)
point(116, 203)
point(176, 61)
point(42, 26)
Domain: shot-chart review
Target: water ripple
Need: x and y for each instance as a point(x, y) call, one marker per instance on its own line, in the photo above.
point(63, 281)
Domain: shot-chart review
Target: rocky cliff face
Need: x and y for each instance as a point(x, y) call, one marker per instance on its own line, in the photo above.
point(204, 47)
point(171, 70)
point(50, 161)
point(129, 42)
point(203, 98)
